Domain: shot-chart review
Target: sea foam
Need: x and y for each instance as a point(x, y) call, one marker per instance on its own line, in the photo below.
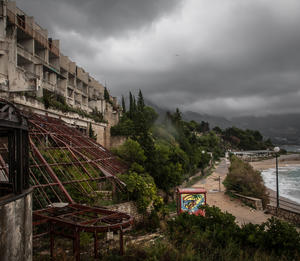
point(289, 181)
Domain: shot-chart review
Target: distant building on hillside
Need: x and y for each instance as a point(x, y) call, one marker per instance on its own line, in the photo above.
point(31, 65)
point(251, 155)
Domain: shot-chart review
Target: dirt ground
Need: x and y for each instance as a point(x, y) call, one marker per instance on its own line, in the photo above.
point(243, 213)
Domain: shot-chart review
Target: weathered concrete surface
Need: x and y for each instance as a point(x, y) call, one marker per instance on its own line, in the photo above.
point(16, 230)
point(128, 208)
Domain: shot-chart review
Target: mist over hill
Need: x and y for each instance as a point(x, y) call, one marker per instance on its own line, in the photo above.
point(282, 129)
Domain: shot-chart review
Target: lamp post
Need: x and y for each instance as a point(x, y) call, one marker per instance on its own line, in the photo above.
point(276, 150)
point(202, 169)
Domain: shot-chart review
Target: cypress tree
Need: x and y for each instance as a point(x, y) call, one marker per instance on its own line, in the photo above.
point(130, 105)
point(106, 94)
point(123, 105)
point(134, 104)
point(92, 133)
point(140, 102)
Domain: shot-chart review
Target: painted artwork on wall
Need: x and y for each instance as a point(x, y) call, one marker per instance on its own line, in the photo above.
point(192, 202)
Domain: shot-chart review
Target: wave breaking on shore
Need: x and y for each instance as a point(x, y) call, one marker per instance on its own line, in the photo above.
point(289, 181)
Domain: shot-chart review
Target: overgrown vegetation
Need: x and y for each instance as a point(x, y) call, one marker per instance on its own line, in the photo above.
point(92, 133)
point(58, 102)
point(243, 179)
point(217, 237)
point(83, 192)
point(172, 149)
point(245, 139)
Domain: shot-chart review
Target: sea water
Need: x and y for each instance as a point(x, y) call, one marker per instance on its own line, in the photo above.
point(291, 148)
point(289, 181)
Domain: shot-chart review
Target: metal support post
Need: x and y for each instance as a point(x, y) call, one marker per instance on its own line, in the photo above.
point(277, 185)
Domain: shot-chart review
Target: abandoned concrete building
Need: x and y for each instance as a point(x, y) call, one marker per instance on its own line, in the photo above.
point(31, 65)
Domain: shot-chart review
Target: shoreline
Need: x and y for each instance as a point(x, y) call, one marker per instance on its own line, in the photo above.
point(243, 214)
point(283, 161)
point(283, 202)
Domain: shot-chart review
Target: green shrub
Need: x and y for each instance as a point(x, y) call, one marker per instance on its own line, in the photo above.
point(243, 179)
point(141, 189)
point(58, 102)
point(217, 237)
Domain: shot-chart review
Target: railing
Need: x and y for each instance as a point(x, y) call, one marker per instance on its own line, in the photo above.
point(284, 204)
point(27, 28)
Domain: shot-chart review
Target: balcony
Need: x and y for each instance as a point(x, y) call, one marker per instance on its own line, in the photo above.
point(20, 22)
point(49, 86)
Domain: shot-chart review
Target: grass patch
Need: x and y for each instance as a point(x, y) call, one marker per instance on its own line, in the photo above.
point(193, 180)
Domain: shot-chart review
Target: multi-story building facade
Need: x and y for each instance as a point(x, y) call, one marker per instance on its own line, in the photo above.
point(31, 62)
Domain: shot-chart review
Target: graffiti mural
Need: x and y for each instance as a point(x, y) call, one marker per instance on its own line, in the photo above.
point(192, 202)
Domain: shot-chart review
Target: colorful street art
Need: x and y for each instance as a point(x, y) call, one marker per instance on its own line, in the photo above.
point(192, 202)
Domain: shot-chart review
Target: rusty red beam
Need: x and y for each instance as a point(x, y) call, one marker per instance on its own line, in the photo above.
point(50, 171)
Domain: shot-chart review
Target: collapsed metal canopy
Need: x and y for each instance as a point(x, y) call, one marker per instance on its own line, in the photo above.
point(65, 165)
point(69, 221)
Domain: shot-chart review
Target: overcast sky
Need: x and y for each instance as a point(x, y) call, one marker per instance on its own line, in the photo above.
point(220, 57)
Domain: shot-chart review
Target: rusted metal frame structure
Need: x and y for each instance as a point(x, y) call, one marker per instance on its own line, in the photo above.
point(46, 164)
point(14, 177)
point(95, 163)
point(78, 218)
point(49, 134)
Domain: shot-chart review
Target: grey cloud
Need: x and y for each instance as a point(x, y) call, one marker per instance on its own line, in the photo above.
point(97, 18)
point(250, 55)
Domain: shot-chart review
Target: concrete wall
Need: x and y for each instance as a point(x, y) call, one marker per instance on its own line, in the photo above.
point(116, 141)
point(100, 131)
point(128, 208)
point(16, 230)
point(254, 202)
point(288, 215)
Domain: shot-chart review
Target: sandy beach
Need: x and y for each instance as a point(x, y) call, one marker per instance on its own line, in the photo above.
point(283, 161)
point(243, 213)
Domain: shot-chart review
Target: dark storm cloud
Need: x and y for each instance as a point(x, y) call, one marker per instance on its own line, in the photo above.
point(98, 18)
point(225, 57)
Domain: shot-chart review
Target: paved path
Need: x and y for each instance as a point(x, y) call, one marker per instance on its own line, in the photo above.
point(243, 214)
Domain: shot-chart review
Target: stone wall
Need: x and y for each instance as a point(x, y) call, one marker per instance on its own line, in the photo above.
point(100, 130)
point(254, 202)
point(128, 208)
point(116, 141)
point(288, 215)
point(16, 230)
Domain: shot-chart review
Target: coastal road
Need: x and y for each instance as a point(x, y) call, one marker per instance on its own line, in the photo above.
point(243, 213)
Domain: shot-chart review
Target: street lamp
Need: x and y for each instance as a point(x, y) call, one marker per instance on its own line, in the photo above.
point(202, 169)
point(276, 150)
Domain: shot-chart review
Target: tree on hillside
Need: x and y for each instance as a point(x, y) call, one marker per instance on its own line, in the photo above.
point(217, 130)
point(140, 102)
point(130, 105)
point(92, 133)
point(106, 95)
point(132, 152)
point(123, 105)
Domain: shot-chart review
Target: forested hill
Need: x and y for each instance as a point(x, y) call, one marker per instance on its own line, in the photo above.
point(281, 129)
point(172, 149)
